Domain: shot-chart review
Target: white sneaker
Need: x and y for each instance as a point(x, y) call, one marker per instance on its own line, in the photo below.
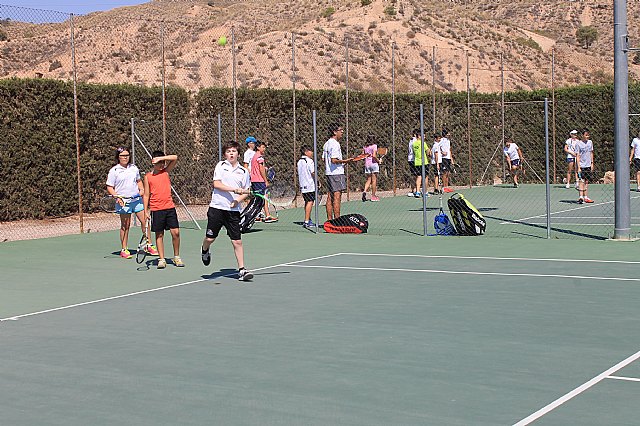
point(411, 194)
point(567, 186)
point(577, 185)
point(244, 275)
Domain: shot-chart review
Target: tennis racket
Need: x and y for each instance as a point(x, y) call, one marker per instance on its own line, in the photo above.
point(110, 202)
point(359, 157)
point(141, 252)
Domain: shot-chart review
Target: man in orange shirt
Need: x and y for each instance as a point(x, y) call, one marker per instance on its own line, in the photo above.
point(159, 204)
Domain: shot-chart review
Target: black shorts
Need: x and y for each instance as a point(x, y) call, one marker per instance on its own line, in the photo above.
point(587, 175)
point(636, 163)
point(163, 220)
point(445, 166)
point(309, 196)
point(217, 218)
point(415, 170)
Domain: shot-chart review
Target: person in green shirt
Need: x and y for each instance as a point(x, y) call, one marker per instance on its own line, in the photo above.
point(421, 158)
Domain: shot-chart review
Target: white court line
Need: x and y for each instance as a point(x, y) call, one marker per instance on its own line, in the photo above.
point(558, 402)
point(630, 379)
point(562, 211)
point(436, 271)
point(524, 259)
point(106, 299)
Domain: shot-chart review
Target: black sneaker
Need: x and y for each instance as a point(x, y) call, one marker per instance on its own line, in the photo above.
point(580, 201)
point(515, 185)
point(206, 257)
point(244, 275)
point(364, 197)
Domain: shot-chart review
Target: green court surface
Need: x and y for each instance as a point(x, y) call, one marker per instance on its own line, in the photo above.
point(509, 212)
point(334, 329)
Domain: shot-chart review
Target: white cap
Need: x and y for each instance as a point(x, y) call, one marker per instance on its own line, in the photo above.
point(573, 132)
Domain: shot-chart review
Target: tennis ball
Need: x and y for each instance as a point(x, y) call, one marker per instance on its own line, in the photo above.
point(222, 41)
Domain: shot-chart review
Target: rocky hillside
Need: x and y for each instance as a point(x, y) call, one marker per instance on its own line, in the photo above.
point(125, 45)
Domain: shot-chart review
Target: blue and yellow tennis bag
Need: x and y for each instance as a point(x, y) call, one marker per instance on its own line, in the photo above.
point(466, 218)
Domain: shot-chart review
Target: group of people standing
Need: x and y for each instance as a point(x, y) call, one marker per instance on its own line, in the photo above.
point(437, 160)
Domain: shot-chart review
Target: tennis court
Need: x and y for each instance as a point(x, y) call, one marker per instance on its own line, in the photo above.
point(336, 330)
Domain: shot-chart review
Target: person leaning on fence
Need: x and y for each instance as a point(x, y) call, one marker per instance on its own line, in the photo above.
point(634, 158)
point(306, 179)
point(585, 160)
point(570, 149)
point(250, 152)
point(421, 158)
point(124, 180)
point(371, 168)
point(445, 159)
point(514, 159)
point(231, 183)
point(159, 204)
point(413, 170)
point(259, 181)
point(334, 170)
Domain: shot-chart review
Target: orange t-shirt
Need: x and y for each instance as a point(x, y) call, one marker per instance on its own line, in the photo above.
point(160, 190)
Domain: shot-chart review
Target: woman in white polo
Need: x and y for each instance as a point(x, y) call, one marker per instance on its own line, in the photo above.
point(124, 181)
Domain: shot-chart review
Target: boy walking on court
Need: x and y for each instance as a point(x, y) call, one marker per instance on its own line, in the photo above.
point(514, 157)
point(159, 204)
point(306, 179)
point(584, 151)
point(231, 183)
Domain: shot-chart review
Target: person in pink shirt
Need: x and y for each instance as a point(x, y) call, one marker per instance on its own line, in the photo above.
point(259, 181)
point(371, 168)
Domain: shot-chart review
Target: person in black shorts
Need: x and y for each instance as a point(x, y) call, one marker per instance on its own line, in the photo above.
point(413, 169)
point(231, 183)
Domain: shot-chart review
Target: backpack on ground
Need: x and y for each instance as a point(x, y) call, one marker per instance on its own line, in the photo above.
point(466, 218)
point(442, 224)
point(347, 224)
point(249, 214)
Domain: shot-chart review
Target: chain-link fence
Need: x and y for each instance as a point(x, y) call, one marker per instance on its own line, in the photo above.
point(149, 52)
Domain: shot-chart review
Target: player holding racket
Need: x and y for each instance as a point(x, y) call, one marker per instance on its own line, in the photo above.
point(231, 183)
point(123, 181)
point(514, 157)
point(371, 168)
point(259, 180)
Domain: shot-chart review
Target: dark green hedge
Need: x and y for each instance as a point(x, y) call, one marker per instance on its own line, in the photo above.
point(38, 150)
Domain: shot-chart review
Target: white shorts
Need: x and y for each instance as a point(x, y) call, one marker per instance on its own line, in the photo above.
point(373, 168)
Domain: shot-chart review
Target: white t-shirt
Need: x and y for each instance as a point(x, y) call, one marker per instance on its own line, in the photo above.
point(410, 157)
point(571, 146)
point(512, 151)
point(584, 150)
point(435, 149)
point(306, 168)
point(235, 177)
point(445, 148)
point(635, 144)
point(124, 180)
point(331, 149)
point(248, 156)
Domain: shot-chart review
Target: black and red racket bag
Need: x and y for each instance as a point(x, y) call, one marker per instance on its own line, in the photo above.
point(347, 224)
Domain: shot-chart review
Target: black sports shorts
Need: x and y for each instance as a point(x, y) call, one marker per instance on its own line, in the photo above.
point(163, 220)
point(217, 218)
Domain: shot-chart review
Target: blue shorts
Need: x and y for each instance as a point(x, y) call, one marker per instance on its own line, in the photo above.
point(135, 205)
point(571, 160)
point(259, 187)
point(515, 163)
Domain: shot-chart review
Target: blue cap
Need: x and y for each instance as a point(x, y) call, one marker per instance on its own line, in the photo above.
point(250, 139)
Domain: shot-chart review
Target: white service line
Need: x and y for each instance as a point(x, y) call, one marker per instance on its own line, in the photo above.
point(629, 379)
point(524, 259)
point(562, 211)
point(436, 271)
point(558, 402)
point(106, 299)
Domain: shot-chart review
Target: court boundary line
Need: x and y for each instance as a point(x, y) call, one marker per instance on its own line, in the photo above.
point(151, 290)
point(524, 259)
point(629, 379)
point(577, 391)
point(561, 211)
point(436, 271)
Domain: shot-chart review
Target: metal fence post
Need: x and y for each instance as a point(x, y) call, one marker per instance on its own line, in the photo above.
point(423, 189)
point(547, 183)
point(393, 114)
point(315, 172)
point(76, 122)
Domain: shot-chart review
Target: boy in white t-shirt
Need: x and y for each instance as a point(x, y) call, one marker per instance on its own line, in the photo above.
point(306, 179)
point(445, 159)
point(229, 179)
point(570, 149)
point(250, 152)
point(585, 160)
point(634, 158)
point(514, 158)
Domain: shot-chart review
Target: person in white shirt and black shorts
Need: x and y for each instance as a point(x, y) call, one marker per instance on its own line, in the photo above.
point(231, 183)
point(634, 158)
point(306, 179)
